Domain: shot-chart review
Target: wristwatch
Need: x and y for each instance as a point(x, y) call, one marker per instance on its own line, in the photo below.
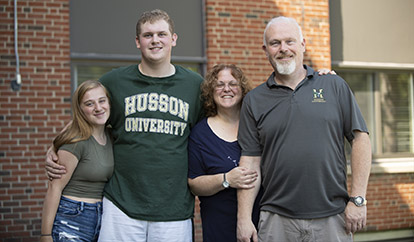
point(358, 201)
point(225, 182)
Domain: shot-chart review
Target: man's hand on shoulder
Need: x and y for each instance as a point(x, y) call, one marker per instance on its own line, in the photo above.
point(53, 169)
point(322, 72)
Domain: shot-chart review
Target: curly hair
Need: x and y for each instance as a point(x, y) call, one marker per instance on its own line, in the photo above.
point(210, 82)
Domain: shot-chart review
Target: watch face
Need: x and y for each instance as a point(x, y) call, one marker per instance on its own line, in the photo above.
point(358, 201)
point(226, 184)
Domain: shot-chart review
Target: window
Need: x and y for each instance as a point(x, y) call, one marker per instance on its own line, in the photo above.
point(386, 101)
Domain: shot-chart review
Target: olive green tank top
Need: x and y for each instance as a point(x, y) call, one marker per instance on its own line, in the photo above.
point(95, 167)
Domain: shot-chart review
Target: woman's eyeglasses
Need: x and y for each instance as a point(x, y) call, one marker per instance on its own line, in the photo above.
point(232, 85)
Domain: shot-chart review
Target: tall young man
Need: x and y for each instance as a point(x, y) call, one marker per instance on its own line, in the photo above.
point(154, 105)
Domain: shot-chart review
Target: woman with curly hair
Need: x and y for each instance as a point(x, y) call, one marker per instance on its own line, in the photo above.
point(214, 153)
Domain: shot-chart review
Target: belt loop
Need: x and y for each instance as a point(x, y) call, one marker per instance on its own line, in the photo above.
point(82, 206)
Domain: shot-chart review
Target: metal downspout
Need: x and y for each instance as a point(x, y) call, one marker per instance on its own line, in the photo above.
point(16, 84)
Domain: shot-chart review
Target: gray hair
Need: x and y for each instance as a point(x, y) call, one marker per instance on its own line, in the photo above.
point(282, 19)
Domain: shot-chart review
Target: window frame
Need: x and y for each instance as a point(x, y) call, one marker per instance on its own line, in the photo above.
point(383, 162)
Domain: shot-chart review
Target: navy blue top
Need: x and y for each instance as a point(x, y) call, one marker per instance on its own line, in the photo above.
point(208, 155)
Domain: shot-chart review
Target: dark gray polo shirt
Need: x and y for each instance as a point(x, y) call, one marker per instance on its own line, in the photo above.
point(300, 136)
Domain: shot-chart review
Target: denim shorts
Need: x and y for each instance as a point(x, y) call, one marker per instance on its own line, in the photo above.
point(77, 221)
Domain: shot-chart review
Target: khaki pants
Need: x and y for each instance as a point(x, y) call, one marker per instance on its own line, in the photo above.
point(276, 228)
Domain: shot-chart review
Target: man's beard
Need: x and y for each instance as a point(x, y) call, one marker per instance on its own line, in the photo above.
point(286, 68)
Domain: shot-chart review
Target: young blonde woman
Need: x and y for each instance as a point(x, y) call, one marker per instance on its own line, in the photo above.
point(73, 205)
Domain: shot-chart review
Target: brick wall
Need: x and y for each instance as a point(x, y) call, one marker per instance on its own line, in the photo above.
point(30, 117)
point(235, 32)
point(390, 201)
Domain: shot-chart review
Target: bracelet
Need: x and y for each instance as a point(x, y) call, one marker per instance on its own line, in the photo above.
point(45, 235)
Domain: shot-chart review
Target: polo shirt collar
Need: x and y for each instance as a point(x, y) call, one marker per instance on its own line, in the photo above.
point(271, 80)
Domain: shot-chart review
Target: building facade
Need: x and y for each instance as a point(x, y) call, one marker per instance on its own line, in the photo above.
point(58, 43)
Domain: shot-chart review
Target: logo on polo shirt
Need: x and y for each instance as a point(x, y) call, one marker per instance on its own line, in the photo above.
point(318, 96)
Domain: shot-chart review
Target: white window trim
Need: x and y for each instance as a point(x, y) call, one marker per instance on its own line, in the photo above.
point(376, 65)
point(390, 165)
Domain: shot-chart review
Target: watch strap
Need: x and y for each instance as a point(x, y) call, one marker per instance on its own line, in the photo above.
point(225, 182)
point(359, 201)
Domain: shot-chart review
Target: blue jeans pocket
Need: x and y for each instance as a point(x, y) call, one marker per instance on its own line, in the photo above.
point(76, 221)
point(69, 211)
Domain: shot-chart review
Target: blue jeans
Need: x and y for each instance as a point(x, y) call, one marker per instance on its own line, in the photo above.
point(77, 221)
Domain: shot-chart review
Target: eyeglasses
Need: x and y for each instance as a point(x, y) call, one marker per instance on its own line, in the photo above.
point(232, 85)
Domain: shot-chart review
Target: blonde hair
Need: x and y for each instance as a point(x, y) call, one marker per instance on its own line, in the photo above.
point(80, 128)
